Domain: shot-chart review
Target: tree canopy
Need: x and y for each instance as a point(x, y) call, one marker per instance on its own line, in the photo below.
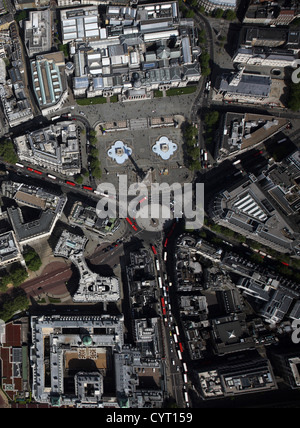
point(13, 303)
point(294, 97)
point(15, 276)
point(32, 259)
point(7, 151)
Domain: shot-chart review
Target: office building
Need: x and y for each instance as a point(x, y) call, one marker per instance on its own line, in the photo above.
point(286, 363)
point(92, 287)
point(139, 380)
point(248, 209)
point(230, 334)
point(37, 32)
point(282, 183)
point(265, 57)
point(54, 148)
point(86, 217)
point(236, 377)
point(271, 13)
point(10, 251)
point(243, 131)
point(49, 206)
point(15, 377)
point(70, 356)
point(15, 104)
point(30, 4)
point(277, 306)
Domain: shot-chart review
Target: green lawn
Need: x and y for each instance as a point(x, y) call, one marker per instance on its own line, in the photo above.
point(157, 94)
point(180, 91)
point(89, 101)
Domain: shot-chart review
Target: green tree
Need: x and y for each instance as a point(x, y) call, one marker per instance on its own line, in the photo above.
point(12, 304)
point(190, 14)
point(32, 259)
point(218, 13)
point(85, 172)
point(97, 172)
point(193, 153)
point(78, 178)
point(195, 165)
point(294, 97)
point(94, 152)
point(20, 16)
point(93, 141)
point(7, 151)
point(95, 163)
point(201, 37)
point(211, 118)
point(230, 15)
point(18, 274)
point(204, 62)
point(64, 49)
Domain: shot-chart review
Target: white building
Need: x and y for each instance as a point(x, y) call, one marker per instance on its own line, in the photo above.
point(58, 340)
point(265, 57)
point(136, 53)
point(211, 5)
point(37, 32)
point(80, 24)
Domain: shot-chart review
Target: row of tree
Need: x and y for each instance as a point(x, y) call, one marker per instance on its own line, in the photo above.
point(94, 160)
point(294, 97)
point(189, 133)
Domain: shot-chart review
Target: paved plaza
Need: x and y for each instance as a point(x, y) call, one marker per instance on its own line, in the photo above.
point(141, 141)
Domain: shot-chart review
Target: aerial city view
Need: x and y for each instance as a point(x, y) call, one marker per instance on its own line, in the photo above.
point(149, 206)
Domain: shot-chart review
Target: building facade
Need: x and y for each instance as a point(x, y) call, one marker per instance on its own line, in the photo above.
point(211, 5)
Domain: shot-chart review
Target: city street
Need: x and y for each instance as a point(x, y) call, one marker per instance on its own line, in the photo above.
point(108, 252)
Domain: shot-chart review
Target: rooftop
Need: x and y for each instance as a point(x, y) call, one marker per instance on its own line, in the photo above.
point(9, 248)
point(247, 208)
point(92, 287)
point(49, 79)
point(244, 130)
point(80, 23)
point(55, 147)
point(59, 342)
point(251, 85)
point(51, 207)
point(38, 32)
